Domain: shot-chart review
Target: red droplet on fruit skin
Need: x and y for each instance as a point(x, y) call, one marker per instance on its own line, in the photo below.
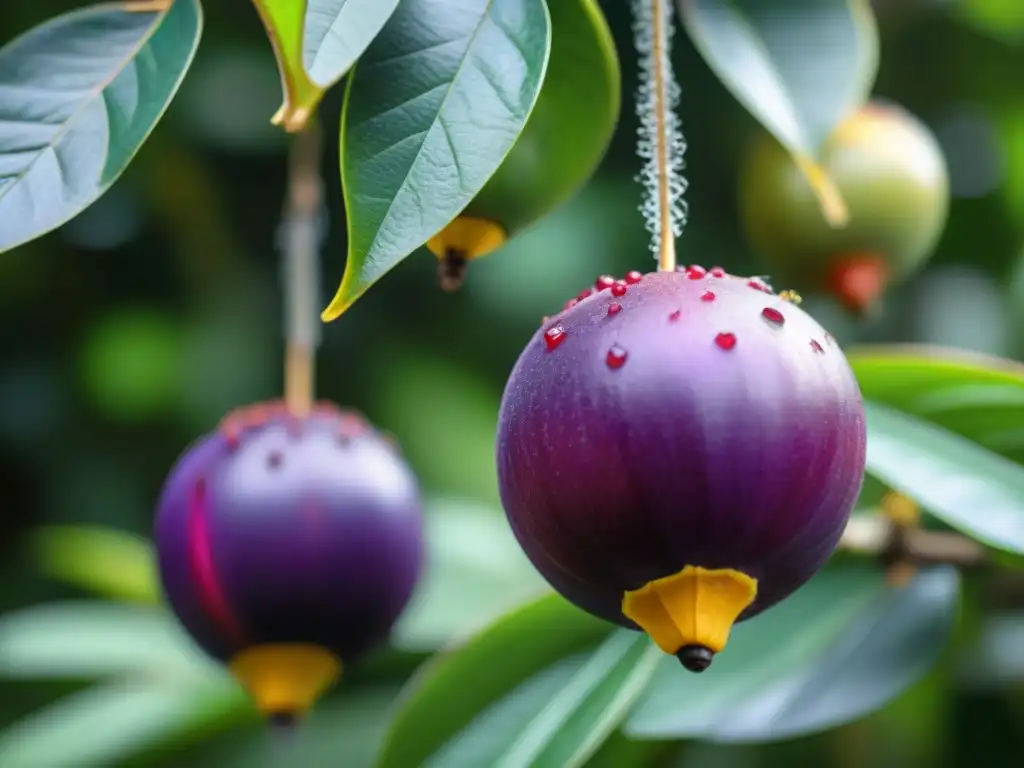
point(773, 316)
point(726, 340)
point(554, 336)
point(619, 289)
point(634, 277)
point(570, 304)
point(604, 282)
point(716, 272)
point(695, 272)
point(673, 316)
point(759, 285)
point(816, 346)
point(707, 296)
point(584, 294)
point(616, 357)
point(614, 308)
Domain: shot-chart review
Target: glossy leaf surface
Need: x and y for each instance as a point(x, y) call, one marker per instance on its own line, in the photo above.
point(798, 66)
point(840, 647)
point(972, 489)
point(78, 97)
point(434, 106)
point(454, 687)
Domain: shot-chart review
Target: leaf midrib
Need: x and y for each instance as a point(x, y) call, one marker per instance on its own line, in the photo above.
point(419, 152)
point(91, 94)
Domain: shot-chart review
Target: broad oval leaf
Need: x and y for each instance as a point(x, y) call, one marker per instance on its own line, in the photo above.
point(108, 562)
point(974, 490)
point(566, 136)
point(431, 110)
point(78, 97)
point(84, 640)
point(315, 43)
point(559, 717)
point(978, 396)
point(475, 572)
point(108, 724)
point(451, 689)
point(840, 647)
point(798, 66)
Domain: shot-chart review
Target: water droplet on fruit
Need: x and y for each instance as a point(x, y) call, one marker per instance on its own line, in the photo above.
point(634, 277)
point(695, 272)
point(275, 459)
point(726, 340)
point(619, 289)
point(616, 357)
point(584, 294)
point(773, 316)
point(673, 316)
point(604, 282)
point(816, 346)
point(716, 272)
point(829, 339)
point(570, 304)
point(614, 308)
point(554, 336)
point(759, 285)
point(707, 296)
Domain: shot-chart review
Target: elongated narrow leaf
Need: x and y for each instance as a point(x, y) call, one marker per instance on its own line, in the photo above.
point(454, 687)
point(106, 725)
point(839, 648)
point(798, 66)
point(85, 640)
point(78, 97)
point(978, 396)
point(316, 42)
point(434, 106)
point(475, 572)
point(972, 489)
point(108, 562)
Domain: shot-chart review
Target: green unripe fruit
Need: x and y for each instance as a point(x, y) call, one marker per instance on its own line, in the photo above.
point(892, 176)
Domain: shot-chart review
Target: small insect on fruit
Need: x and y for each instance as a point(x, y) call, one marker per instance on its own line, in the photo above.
point(288, 547)
point(682, 463)
point(892, 176)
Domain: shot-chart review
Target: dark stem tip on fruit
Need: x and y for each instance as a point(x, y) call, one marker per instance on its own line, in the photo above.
point(283, 721)
point(695, 658)
point(451, 270)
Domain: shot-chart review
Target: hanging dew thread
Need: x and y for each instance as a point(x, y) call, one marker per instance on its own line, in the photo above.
point(660, 138)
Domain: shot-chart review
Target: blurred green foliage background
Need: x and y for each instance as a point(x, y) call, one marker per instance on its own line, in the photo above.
point(130, 331)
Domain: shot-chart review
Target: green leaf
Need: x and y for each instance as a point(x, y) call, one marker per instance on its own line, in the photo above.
point(108, 562)
point(475, 572)
point(432, 109)
point(561, 716)
point(106, 725)
point(978, 396)
point(840, 647)
point(85, 640)
point(79, 96)
point(798, 66)
point(450, 690)
point(974, 490)
point(315, 43)
point(568, 131)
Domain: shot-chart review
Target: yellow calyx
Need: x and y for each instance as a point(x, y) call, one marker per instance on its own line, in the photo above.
point(467, 237)
point(695, 607)
point(286, 679)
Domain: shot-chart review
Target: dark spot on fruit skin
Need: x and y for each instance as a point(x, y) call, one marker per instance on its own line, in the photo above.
point(674, 315)
point(695, 658)
point(275, 459)
point(816, 346)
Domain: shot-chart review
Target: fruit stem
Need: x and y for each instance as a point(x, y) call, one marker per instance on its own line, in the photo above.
point(661, 142)
point(301, 233)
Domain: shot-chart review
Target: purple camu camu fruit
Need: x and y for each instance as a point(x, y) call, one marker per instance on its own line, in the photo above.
point(288, 547)
point(679, 451)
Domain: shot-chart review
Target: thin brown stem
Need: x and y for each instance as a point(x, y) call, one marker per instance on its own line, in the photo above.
point(300, 246)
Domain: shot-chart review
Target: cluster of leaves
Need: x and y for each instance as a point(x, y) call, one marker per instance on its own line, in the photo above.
point(499, 110)
point(521, 677)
